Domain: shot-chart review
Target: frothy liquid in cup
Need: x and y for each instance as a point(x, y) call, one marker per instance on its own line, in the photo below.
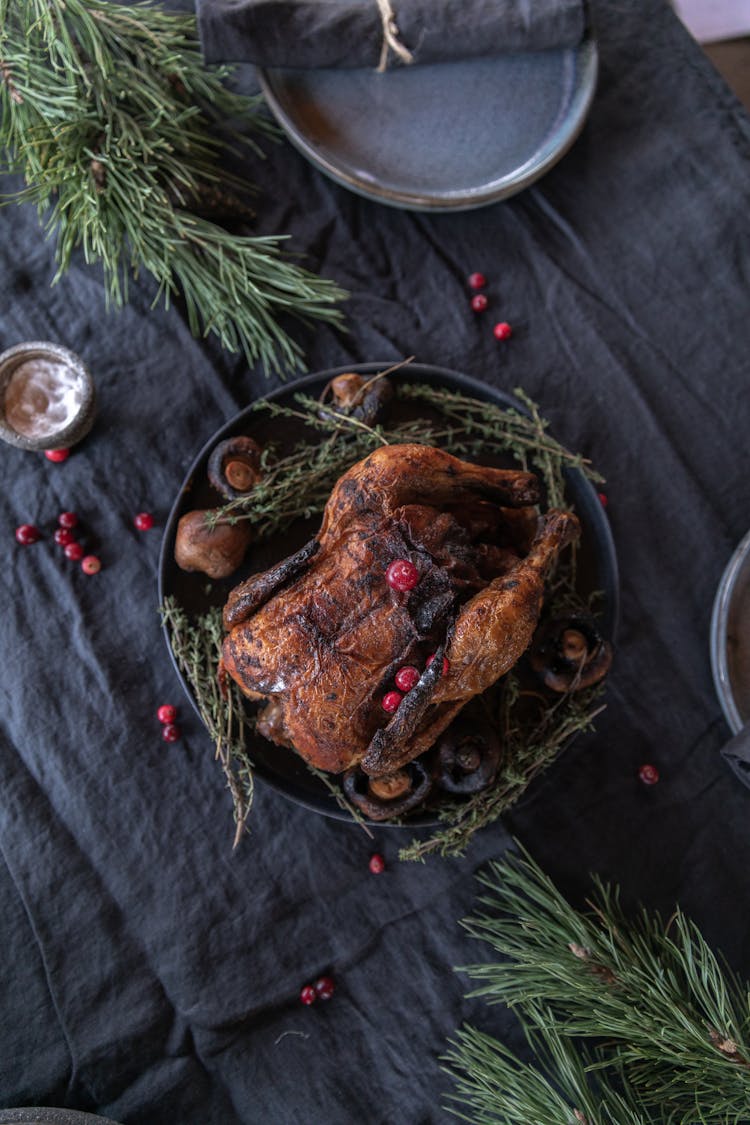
point(42, 397)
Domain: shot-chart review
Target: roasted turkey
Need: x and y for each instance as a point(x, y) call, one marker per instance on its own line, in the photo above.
point(322, 635)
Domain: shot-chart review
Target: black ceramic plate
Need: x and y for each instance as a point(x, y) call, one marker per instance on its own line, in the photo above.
point(279, 767)
point(447, 137)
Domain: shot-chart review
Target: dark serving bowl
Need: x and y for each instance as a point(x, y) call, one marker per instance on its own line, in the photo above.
point(277, 766)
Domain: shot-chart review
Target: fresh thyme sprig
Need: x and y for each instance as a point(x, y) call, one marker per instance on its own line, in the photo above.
point(531, 744)
point(631, 1008)
point(197, 649)
point(118, 128)
point(510, 431)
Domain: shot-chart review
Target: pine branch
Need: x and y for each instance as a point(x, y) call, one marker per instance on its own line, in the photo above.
point(562, 1088)
point(118, 130)
point(668, 1024)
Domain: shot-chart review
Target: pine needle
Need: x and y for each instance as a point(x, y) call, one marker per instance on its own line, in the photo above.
point(666, 1025)
point(118, 131)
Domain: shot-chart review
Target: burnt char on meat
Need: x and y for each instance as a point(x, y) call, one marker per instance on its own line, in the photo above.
point(321, 635)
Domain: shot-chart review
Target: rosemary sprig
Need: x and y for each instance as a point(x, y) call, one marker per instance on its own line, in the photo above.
point(638, 1007)
point(197, 649)
point(117, 127)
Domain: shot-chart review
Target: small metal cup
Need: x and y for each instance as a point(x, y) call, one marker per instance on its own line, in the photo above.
point(75, 428)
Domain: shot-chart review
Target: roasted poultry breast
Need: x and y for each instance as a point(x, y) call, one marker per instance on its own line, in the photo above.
point(423, 562)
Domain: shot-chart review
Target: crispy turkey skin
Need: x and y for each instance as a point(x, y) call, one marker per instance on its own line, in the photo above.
point(321, 635)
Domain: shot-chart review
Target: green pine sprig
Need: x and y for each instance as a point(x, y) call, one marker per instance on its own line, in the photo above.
point(118, 130)
point(637, 1008)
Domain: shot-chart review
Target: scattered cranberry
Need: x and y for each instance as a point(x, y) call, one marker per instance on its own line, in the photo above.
point(171, 732)
point(477, 281)
point(502, 331)
point(603, 499)
point(479, 302)
point(391, 700)
point(27, 534)
point(648, 774)
point(57, 454)
point(144, 521)
point(308, 994)
point(91, 564)
point(324, 988)
point(63, 536)
point(74, 551)
point(166, 713)
point(377, 864)
point(68, 519)
point(402, 575)
point(446, 664)
point(407, 678)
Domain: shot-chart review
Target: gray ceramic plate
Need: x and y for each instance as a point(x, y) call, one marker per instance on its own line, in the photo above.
point(730, 638)
point(451, 136)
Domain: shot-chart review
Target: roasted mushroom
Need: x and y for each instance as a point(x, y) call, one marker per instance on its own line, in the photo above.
point(213, 550)
point(392, 794)
point(569, 653)
point(234, 466)
point(468, 755)
point(365, 399)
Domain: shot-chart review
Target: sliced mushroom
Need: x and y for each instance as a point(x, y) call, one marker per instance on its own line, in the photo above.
point(213, 550)
point(569, 653)
point(468, 755)
point(391, 795)
point(364, 398)
point(234, 466)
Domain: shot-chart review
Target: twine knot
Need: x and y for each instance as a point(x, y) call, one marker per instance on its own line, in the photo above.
point(391, 41)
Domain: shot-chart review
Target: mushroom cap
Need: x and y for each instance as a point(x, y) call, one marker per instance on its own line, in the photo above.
point(569, 653)
point(363, 791)
point(365, 398)
point(234, 466)
point(468, 755)
point(216, 551)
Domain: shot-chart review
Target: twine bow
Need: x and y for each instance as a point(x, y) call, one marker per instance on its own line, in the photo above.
point(391, 41)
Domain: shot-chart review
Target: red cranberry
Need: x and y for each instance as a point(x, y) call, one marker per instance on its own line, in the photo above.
point(477, 281)
point(171, 732)
point(502, 331)
point(479, 302)
point(63, 536)
point(144, 521)
point(74, 551)
point(324, 988)
point(91, 564)
point(402, 575)
point(308, 995)
point(446, 664)
point(407, 677)
point(603, 499)
point(391, 700)
point(67, 519)
point(27, 534)
point(57, 454)
point(648, 774)
point(166, 713)
point(377, 864)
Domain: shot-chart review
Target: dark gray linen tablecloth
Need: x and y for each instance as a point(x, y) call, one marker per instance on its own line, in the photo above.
point(150, 973)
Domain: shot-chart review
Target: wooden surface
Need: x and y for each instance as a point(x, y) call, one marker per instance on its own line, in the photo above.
point(732, 59)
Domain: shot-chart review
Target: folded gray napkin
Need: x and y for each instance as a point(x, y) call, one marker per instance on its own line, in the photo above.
point(376, 33)
point(737, 754)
